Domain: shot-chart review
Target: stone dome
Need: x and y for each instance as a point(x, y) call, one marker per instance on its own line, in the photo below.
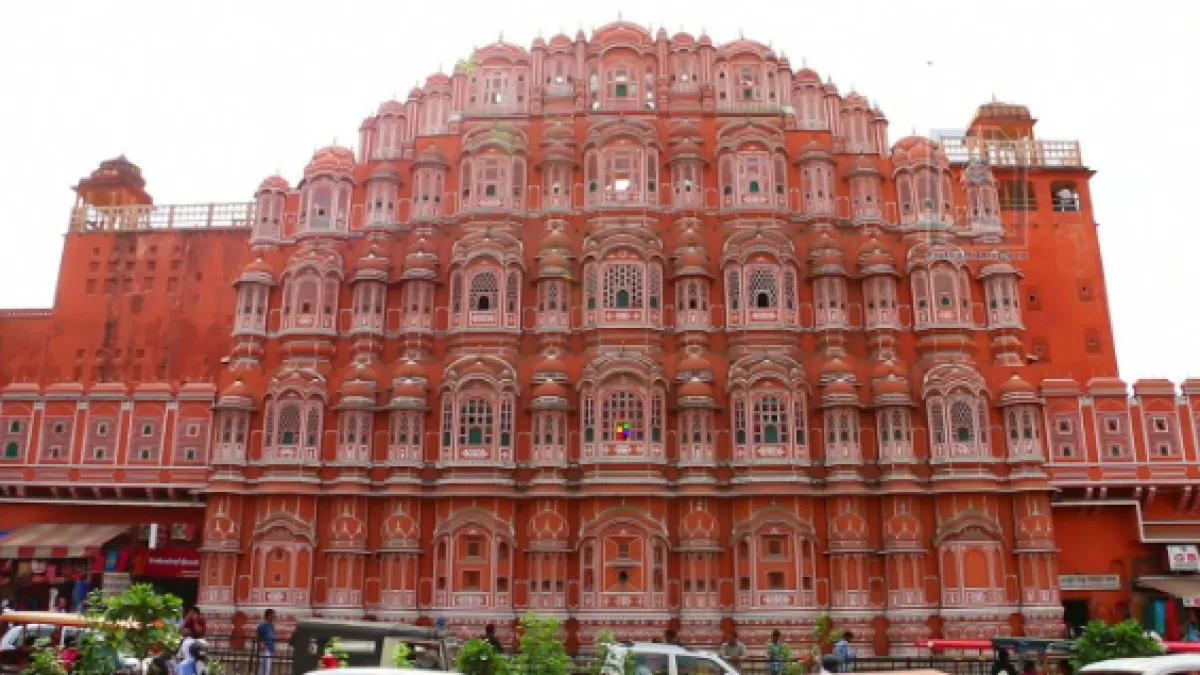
point(1016, 385)
point(807, 75)
point(392, 107)
point(334, 160)
point(696, 388)
point(409, 369)
point(549, 368)
point(692, 363)
point(385, 173)
point(236, 389)
point(273, 184)
point(408, 389)
point(549, 390)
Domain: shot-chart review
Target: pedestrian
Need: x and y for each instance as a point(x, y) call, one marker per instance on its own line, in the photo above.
point(265, 637)
point(195, 621)
point(671, 638)
point(185, 645)
point(777, 653)
point(1002, 666)
point(732, 650)
point(61, 606)
point(844, 652)
point(489, 634)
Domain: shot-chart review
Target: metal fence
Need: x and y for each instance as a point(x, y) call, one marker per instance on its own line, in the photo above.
point(242, 657)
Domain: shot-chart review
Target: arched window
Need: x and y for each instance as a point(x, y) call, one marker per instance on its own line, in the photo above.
point(623, 286)
point(307, 296)
point(770, 420)
point(484, 292)
point(510, 293)
point(456, 292)
point(475, 421)
point(622, 417)
point(962, 420)
point(943, 288)
point(289, 424)
point(763, 288)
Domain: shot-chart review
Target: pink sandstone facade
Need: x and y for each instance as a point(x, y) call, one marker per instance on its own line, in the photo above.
point(637, 331)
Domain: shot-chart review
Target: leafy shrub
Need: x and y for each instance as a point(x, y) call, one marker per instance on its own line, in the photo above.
point(1101, 642)
point(478, 657)
point(540, 651)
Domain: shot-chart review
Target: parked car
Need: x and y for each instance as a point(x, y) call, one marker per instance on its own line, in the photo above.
point(1172, 664)
point(653, 658)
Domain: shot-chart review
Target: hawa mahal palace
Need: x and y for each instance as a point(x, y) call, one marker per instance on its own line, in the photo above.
point(634, 330)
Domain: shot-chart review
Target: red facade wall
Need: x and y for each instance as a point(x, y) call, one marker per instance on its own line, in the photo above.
point(493, 361)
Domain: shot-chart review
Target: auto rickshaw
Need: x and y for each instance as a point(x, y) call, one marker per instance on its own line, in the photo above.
point(370, 644)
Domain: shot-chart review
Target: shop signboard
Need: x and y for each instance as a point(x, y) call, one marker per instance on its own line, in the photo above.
point(1089, 582)
point(167, 563)
point(1183, 558)
point(113, 584)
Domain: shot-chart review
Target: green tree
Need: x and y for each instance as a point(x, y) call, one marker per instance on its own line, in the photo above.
point(131, 623)
point(540, 651)
point(1100, 642)
point(479, 657)
point(137, 619)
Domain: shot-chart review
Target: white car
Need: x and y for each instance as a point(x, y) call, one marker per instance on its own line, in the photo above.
point(652, 658)
point(371, 670)
point(1173, 664)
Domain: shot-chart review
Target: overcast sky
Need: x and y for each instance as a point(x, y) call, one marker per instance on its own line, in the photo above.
point(211, 97)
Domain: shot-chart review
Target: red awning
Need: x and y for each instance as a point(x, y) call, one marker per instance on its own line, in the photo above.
point(58, 541)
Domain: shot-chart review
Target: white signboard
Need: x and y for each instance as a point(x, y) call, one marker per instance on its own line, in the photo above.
point(1089, 582)
point(1183, 558)
point(115, 583)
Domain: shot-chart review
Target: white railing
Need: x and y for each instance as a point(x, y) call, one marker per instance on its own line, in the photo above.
point(217, 595)
point(857, 598)
point(260, 596)
point(162, 216)
point(973, 596)
point(398, 600)
point(777, 599)
point(906, 597)
point(1025, 152)
point(344, 597)
point(547, 600)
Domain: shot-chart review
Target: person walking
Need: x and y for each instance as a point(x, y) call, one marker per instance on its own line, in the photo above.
point(195, 622)
point(777, 653)
point(844, 652)
point(733, 651)
point(265, 639)
point(489, 634)
point(671, 638)
point(1002, 666)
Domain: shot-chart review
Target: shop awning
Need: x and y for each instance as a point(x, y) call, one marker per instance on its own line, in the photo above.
point(1185, 588)
point(58, 541)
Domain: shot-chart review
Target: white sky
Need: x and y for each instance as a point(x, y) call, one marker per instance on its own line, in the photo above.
point(211, 97)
